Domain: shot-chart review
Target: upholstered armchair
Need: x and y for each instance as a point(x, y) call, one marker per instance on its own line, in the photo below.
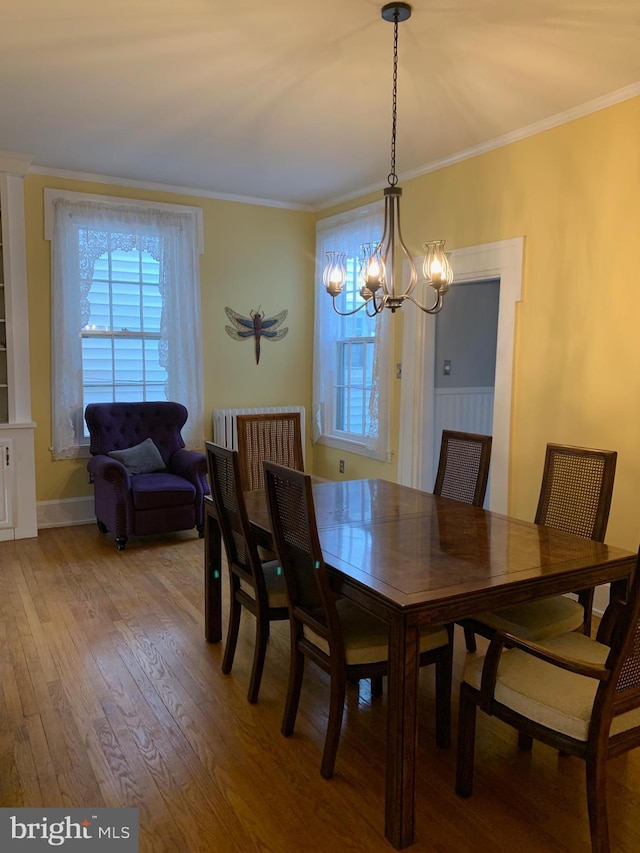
point(144, 480)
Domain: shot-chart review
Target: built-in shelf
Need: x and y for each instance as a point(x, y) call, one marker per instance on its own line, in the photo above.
point(18, 516)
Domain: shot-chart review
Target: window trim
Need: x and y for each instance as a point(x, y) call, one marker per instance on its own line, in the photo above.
point(80, 449)
point(324, 384)
point(50, 195)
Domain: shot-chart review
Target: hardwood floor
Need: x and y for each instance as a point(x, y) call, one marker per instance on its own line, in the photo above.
point(110, 696)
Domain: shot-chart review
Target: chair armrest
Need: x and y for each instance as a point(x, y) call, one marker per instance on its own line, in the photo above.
point(105, 468)
point(191, 465)
point(502, 639)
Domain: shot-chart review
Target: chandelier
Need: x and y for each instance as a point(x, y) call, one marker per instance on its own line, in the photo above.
point(378, 260)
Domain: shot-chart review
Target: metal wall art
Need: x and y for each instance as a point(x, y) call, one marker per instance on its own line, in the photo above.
point(255, 326)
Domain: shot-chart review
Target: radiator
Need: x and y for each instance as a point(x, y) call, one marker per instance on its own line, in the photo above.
point(225, 429)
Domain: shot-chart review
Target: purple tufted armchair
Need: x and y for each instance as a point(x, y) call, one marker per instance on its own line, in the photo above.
point(137, 504)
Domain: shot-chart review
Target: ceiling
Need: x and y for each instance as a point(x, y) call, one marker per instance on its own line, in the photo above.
point(290, 100)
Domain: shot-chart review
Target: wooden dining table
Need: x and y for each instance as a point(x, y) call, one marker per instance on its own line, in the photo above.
point(416, 559)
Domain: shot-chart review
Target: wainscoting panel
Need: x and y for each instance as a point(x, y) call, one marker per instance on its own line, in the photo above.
point(462, 409)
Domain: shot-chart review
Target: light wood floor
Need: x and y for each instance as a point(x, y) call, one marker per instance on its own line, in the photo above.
point(110, 696)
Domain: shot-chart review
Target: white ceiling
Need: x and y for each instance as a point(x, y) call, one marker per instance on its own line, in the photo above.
point(290, 100)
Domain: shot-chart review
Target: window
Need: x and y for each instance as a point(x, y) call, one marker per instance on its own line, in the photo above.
point(355, 351)
point(126, 310)
point(121, 358)
point(352, 353)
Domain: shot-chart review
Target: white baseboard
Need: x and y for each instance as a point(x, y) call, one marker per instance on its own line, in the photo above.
point(65, 513)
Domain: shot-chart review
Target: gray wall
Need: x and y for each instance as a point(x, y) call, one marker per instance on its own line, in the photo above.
point(466, 335)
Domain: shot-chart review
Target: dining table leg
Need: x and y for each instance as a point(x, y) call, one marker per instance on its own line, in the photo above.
point(619, 589)
point(402, 733)
point(212, 575)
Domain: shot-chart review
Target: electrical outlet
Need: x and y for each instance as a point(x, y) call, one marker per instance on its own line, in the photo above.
point(341, 466)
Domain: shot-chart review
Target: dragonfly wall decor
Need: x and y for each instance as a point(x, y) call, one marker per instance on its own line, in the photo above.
point(255, 326)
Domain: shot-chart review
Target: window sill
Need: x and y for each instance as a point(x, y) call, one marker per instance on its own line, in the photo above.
point(352, 446)
point(78, 452)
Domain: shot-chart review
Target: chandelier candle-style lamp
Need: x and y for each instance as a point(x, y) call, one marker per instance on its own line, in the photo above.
point(378, 260)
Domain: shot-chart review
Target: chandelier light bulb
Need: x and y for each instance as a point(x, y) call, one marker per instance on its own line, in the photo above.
point(436, 268)
point(372, 268)
point(335, 273)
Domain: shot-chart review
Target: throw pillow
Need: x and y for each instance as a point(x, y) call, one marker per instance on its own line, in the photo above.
point(143, 458)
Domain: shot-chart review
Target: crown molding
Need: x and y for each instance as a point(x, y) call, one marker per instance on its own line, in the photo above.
point(14, 163)
point(580, 111)
point(92, 177)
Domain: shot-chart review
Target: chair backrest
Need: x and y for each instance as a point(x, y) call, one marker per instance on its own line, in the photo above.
point(224, 477)
point(575, 495)
point(295, 535)
point(463, 469)
point(622, 692)
point(118, 426)
point(271, 437)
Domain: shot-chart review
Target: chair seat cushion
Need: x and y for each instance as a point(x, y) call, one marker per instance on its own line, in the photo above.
point(161, 491)
point(366, 638)
point(547, 694)
point(274, 581)
point(537, 620)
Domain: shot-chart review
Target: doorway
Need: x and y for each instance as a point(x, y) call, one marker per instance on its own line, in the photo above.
point(466, 337)
point(501, 261)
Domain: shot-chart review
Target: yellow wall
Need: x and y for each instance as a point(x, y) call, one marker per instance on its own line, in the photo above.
point(574, 193)
point(254, 257)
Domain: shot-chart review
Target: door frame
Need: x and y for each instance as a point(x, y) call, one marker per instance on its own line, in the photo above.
point(503, 260)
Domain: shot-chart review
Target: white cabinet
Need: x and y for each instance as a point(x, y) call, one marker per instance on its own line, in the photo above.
point(18, 516)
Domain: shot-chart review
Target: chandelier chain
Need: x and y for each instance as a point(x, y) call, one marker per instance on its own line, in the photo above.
point(380, 259)
point(392, 177)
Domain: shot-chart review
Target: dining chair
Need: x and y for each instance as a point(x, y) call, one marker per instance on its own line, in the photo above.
point(341, 638)
point(462, 475)
point(576, 694)
point(271, 436)
point(256, 586)
point(463, 467)
point(575, 496)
